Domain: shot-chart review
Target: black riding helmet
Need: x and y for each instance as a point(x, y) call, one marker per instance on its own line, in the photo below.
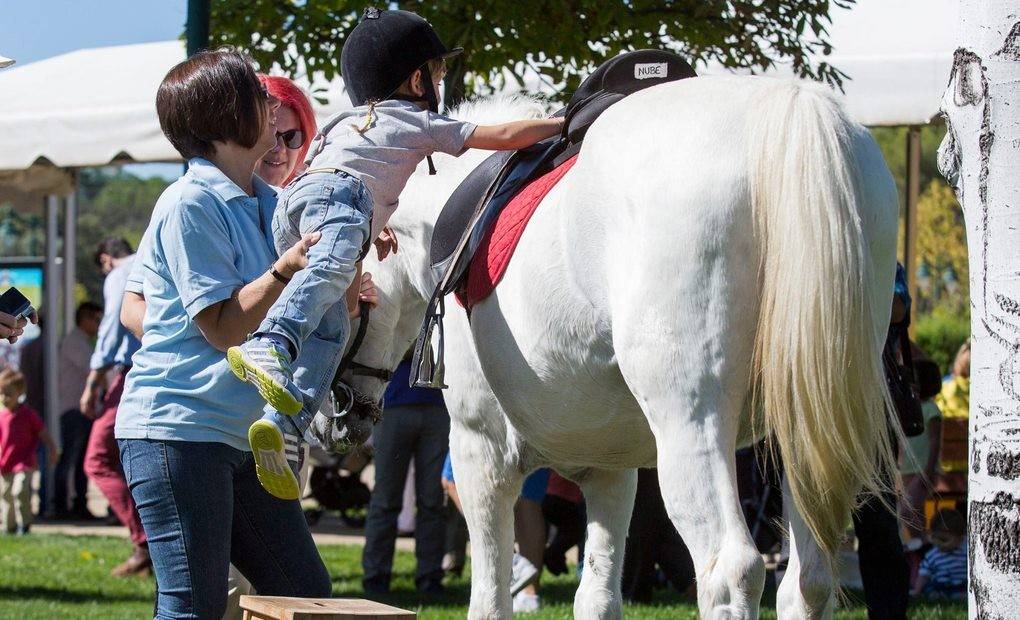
point(384, 50)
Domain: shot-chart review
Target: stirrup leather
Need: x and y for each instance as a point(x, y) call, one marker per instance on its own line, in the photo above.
point(428, 370)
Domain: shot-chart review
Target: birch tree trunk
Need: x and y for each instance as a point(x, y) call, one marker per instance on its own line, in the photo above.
point(980, 157)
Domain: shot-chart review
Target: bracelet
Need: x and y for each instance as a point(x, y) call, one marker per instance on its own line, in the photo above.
point(279, 276)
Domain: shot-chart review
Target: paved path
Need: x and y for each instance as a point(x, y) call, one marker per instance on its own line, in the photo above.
point(329, 531)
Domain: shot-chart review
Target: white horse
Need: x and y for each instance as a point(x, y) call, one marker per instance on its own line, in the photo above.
point(717, 266)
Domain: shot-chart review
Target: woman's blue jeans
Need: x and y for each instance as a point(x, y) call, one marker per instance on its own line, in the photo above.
point(203, 508)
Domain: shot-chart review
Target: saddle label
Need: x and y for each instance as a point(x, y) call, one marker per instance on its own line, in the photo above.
point(646, 70)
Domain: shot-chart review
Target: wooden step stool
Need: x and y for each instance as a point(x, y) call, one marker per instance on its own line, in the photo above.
point(285, 608)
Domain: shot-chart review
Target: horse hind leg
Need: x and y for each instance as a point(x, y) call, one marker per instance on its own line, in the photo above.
point(609, 497)
point(694, 415)
point(698, 480)
point(807, 589)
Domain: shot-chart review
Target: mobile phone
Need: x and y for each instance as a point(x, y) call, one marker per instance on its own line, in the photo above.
point(15, 304)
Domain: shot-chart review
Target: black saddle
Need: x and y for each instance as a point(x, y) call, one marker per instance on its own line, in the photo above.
point(481, 196)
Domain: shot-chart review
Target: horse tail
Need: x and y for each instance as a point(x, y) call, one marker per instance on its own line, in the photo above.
point(819, 386)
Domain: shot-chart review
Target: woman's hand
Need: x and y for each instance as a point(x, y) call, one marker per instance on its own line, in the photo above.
point(296, 258)
point(11, 328)
point(386, 242)
point(368, 293)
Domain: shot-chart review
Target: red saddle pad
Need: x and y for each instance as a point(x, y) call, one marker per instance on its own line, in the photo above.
point(493, 255)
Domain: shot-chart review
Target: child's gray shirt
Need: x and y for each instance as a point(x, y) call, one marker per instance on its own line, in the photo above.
point(386, 154)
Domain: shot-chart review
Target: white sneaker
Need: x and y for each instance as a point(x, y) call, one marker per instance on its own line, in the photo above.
point(266, 364)
point(277, 456)
point(523, 571)
point(526, 603)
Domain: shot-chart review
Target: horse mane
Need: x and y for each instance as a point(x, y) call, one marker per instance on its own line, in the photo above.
point(500, 108)
point(493, 110)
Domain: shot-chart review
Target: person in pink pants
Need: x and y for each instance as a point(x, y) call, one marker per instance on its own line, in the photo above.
point(115, 346)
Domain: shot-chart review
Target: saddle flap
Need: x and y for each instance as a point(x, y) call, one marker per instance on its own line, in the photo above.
point(474, 211)
point(462, 205)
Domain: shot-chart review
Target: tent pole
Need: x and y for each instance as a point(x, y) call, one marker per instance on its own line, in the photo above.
point(910, 214)
point(70, 255)
point(197, 26)
point(51, 325)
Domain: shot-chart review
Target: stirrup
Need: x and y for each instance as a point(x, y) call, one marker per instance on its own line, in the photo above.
point(428, 370)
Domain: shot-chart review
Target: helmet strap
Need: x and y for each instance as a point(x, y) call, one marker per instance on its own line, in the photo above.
point(432, 100)
point(430, 91)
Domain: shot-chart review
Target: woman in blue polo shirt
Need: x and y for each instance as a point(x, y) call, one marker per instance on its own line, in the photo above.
point(209, 273)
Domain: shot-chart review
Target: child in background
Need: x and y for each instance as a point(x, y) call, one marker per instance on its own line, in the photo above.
point(392, 64)
point(943, 572)
point(21, 430)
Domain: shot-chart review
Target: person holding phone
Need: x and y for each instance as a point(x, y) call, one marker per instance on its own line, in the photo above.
point(12, 326)
point(15, 313)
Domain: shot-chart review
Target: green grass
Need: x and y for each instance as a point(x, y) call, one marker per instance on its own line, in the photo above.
point(49, 576)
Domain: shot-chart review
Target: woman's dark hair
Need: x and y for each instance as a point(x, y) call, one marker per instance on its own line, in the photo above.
point(212, 96)
point(116, 247)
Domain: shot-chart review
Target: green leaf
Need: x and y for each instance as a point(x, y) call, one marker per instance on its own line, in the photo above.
point(576, 34)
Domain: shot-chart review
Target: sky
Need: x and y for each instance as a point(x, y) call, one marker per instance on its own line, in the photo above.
point(32, 30)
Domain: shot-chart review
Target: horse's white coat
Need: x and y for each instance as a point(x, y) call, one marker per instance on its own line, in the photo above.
point(622, 336)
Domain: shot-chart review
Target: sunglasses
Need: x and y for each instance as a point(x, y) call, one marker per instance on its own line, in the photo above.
point(292, 139)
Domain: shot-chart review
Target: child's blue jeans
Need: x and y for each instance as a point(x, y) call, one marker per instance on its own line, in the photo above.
point(312, 312)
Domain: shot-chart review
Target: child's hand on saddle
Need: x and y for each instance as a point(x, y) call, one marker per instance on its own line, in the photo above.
point(386, 242)
point(368, 294)
point(296, 258)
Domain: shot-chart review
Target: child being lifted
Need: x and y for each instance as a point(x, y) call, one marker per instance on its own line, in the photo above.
point(392, 63)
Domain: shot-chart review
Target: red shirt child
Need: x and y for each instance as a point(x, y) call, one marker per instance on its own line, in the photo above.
point(21, 429)
point(20, 435)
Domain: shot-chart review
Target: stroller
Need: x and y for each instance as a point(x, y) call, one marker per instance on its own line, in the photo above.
point(335, 484)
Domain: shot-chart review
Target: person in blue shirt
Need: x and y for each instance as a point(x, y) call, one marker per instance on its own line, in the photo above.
point(208, 272)
point(900, 316)
point(943, 571)
point(416, 428)
point(112, 356)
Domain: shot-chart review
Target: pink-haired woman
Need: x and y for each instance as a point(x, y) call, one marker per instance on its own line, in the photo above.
point(295, 128)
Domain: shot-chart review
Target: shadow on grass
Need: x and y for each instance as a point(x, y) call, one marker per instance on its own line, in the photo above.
point(34, 593)
point(457, 593)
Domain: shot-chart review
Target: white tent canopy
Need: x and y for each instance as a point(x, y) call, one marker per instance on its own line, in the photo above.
point(897, 54)
point(94, 106)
